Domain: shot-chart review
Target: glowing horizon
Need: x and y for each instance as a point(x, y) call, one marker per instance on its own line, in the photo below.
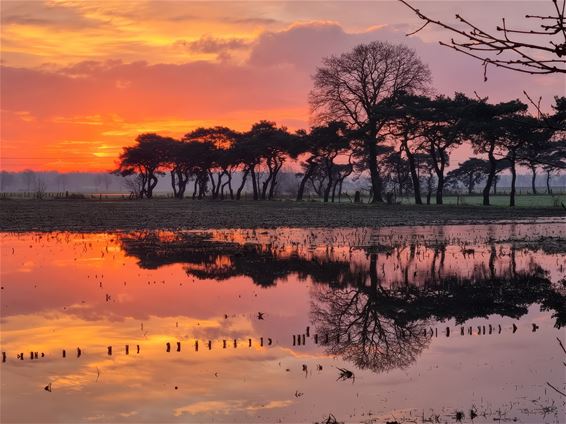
point(79, 80)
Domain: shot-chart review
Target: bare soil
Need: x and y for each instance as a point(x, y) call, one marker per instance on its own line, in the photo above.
point(172, 214)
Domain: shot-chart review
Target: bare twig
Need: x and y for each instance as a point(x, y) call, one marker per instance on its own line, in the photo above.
point(504, 51)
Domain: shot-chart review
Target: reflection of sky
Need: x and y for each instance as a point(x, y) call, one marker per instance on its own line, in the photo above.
point(54, 298)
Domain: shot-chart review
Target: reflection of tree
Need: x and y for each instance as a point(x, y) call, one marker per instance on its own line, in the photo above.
point(366, 326)
point(462, 299)
point(383, 329)
point(364, 329)
point(490, 289)
point(204, 258)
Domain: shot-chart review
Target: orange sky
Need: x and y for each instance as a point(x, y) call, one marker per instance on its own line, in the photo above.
point(79, 80)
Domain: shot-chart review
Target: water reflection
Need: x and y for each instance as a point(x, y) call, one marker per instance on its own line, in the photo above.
point(373, 318)
point(207, 259)
point(422, 280)
point(371, 301)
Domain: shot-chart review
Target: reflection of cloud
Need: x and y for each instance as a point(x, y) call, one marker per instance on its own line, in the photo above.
point(229, 406)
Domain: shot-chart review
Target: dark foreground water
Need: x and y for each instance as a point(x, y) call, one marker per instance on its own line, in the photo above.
point(437, 324)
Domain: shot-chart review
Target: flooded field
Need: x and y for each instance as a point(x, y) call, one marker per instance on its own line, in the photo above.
point(412, 324)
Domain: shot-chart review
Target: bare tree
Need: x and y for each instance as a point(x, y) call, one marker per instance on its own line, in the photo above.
point(28, 178)
point(62, 180)
point(354, 86)
point(539, 50)
point(135, 184)
point(40, 188)
point(6, 180)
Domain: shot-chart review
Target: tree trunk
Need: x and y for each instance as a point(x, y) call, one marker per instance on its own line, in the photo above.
point(274, 180)
point(173, 183)
point(219, 184)
point(534, 178)
point(327, 190)
point(470, 183)
point(195, 188)
point(303, 183)
point(211, 176)
point(439, 170)
point(374, 171)
point(151, 183)
point(548, 189)
point(229, 175)
point(203, 181)
point(329, 184)
point(144, 179)
point(439, 187)
point(490, 175)
point(222, 190)
point(184, 179)
point(242, 185)
point(334, 186)
point(254, 181)
point(513, 180)
point(414, 176)
point(265, 185)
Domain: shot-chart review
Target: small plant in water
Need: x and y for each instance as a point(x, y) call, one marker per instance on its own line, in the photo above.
point(459, 416)
point(331, 419)
point(473, 413)
point(346, 375)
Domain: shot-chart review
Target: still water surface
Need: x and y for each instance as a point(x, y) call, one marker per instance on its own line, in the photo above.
point(285, 325)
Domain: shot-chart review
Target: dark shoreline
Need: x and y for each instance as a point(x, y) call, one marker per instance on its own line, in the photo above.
point(172, 214)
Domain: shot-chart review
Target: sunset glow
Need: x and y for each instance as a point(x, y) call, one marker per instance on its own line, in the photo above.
point(82, 79)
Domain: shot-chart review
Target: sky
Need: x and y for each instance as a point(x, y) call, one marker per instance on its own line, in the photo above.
point(80, 79)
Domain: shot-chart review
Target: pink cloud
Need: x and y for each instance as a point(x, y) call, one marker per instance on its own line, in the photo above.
point(272, 84)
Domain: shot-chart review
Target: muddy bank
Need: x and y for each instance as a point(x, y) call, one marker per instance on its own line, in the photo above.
point(171, 214)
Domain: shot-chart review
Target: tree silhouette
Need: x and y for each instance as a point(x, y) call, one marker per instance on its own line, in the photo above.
point(409, 149)
point(469, 173)
point(405, 127)
point(270, 145)
point(487, 131)
point(554, 158)
point(216, 158)
point(352, 87)
point(145, 159)
point(28, 178)
point(323, 145)
point(444, 129)
point(525, 134)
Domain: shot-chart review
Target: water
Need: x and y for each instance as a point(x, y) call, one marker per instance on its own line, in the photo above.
point(288, 313)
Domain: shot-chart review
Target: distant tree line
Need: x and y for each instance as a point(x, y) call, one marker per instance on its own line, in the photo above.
point(374, 115)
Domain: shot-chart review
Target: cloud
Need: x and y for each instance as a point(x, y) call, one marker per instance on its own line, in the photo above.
point(37, 13)
point(304, 44)
point(254, 21)
point(209, 44)
point(271, 83)
point(301, 44)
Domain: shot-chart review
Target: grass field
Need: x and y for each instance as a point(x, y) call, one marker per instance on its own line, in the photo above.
point(110, 215)
point(528, 200)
